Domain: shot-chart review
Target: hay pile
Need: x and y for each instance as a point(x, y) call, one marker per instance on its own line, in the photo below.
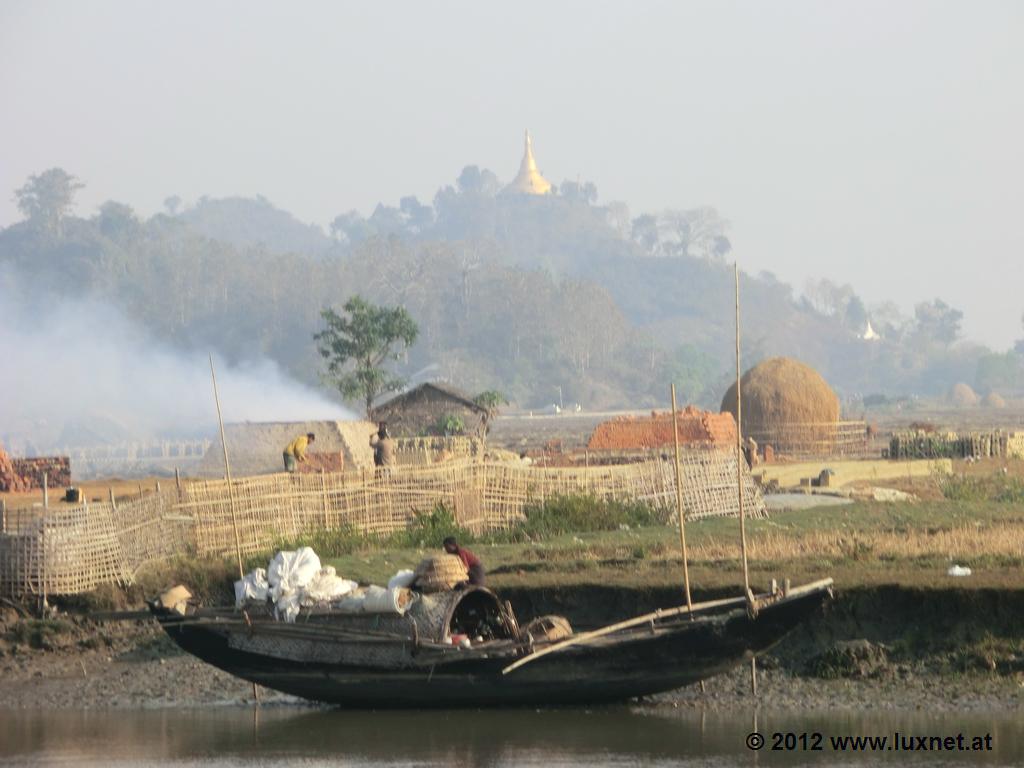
point(993, 400)
point(962, 395)
point(781, 392)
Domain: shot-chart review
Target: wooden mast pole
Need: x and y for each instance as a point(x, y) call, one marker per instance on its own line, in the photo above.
point(227, 472)
point(739, 444)
point(751, 603)
point(679, 503)
point(231, 499)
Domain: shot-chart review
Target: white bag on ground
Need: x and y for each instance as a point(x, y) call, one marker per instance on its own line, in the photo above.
point(291, 571)
point(402, 579)
point(252, 586)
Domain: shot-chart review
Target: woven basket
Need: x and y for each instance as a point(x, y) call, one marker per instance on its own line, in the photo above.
point(550, 628)
point(440, 573)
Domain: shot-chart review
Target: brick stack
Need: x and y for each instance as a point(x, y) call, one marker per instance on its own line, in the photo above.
point(10, 480)
point(57, 469)
point(328, 462)
point(656, 431)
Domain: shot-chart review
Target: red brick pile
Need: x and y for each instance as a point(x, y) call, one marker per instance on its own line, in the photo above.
point(20, 475)
point(633, 432)
point(328, 462)
point(56, 468)
point(10, 480)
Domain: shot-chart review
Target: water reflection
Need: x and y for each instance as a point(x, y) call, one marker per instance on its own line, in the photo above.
point(286, 736)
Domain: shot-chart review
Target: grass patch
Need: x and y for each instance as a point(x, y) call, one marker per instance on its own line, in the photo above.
point(37, 633)
point(998, 487)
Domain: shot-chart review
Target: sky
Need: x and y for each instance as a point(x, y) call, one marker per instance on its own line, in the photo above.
point(871, 143)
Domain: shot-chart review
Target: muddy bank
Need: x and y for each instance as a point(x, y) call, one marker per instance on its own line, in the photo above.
point(886, 647)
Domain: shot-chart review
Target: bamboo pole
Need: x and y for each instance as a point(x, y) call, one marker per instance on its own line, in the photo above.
point(739, 443)
point(231, 496)
point(46, 490)
point(227, 470)
point(3, 515)
point(323, 492)
point(647, 618)
point(679, 503)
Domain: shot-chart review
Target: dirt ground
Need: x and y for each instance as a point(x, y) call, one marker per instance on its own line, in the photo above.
point(93, 490)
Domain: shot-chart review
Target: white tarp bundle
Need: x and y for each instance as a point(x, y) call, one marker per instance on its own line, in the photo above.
point(252, 586)
point(374, 599)
point(296, 579)
point(402, 579)
point(326, 586)
point(289, 571)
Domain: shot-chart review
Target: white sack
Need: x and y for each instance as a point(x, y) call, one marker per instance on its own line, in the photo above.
point(326, 587)
point(381, 600)
point(287, 607)
point(352, 602)
point(290, 571)
point(402, 579)
point(252, 586)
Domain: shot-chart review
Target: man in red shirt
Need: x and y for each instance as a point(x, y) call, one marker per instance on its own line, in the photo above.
point(471, 561)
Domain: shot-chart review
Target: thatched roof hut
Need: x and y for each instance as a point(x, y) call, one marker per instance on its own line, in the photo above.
point(424, 409)
point(788, 405)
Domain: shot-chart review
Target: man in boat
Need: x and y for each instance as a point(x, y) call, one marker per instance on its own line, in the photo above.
point(383, 447)
point(295, 451)
point(471, 561)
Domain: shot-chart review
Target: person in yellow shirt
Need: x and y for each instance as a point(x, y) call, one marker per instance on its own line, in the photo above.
point(296, 451)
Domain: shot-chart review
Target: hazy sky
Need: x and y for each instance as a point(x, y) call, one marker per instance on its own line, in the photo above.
point(876, 143)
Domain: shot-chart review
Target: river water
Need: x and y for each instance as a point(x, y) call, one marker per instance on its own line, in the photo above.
point(282, 737)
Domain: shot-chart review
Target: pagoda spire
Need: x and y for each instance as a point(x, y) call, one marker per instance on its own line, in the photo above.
point(529, 181)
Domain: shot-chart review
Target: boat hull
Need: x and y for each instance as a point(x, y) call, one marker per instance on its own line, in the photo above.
point(638, 662)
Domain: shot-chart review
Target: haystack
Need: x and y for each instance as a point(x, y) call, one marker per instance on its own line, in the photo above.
point(440, 573)
point(787, 405)
point(993, 400)
point(962, 395)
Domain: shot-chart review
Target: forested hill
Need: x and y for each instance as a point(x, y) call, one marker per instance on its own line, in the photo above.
point(527, 295)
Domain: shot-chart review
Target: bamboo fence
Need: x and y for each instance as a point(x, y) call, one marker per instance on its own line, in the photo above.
point(74, 549)
point(842, 439)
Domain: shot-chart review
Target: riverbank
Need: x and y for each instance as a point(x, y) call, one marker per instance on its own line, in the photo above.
point(884, 648)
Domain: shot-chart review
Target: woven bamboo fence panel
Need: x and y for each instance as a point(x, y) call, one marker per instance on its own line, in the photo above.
point(73, 550)
point(810, 441)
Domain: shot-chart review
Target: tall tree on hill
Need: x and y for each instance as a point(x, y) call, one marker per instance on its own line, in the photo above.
point(46, 199)
point(365, 336)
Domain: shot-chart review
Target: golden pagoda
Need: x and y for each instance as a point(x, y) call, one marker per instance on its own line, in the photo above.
point(529, 181)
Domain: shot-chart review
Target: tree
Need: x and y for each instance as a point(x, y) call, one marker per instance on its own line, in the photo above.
point(45, 199)
point(172, 204)
point(365, 336)
point(492, 400)
point(117, 220)
point(938, 322)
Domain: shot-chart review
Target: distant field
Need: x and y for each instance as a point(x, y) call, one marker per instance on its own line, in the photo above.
point(858, 544)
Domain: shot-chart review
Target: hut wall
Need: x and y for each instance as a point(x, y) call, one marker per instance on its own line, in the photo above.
point(418, 413)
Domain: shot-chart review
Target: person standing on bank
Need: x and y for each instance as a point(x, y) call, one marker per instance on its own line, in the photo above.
point(383, 447)
point(471, 561)
point(296, 451)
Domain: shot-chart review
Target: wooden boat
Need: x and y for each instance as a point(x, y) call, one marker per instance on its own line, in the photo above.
point(393, 661)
